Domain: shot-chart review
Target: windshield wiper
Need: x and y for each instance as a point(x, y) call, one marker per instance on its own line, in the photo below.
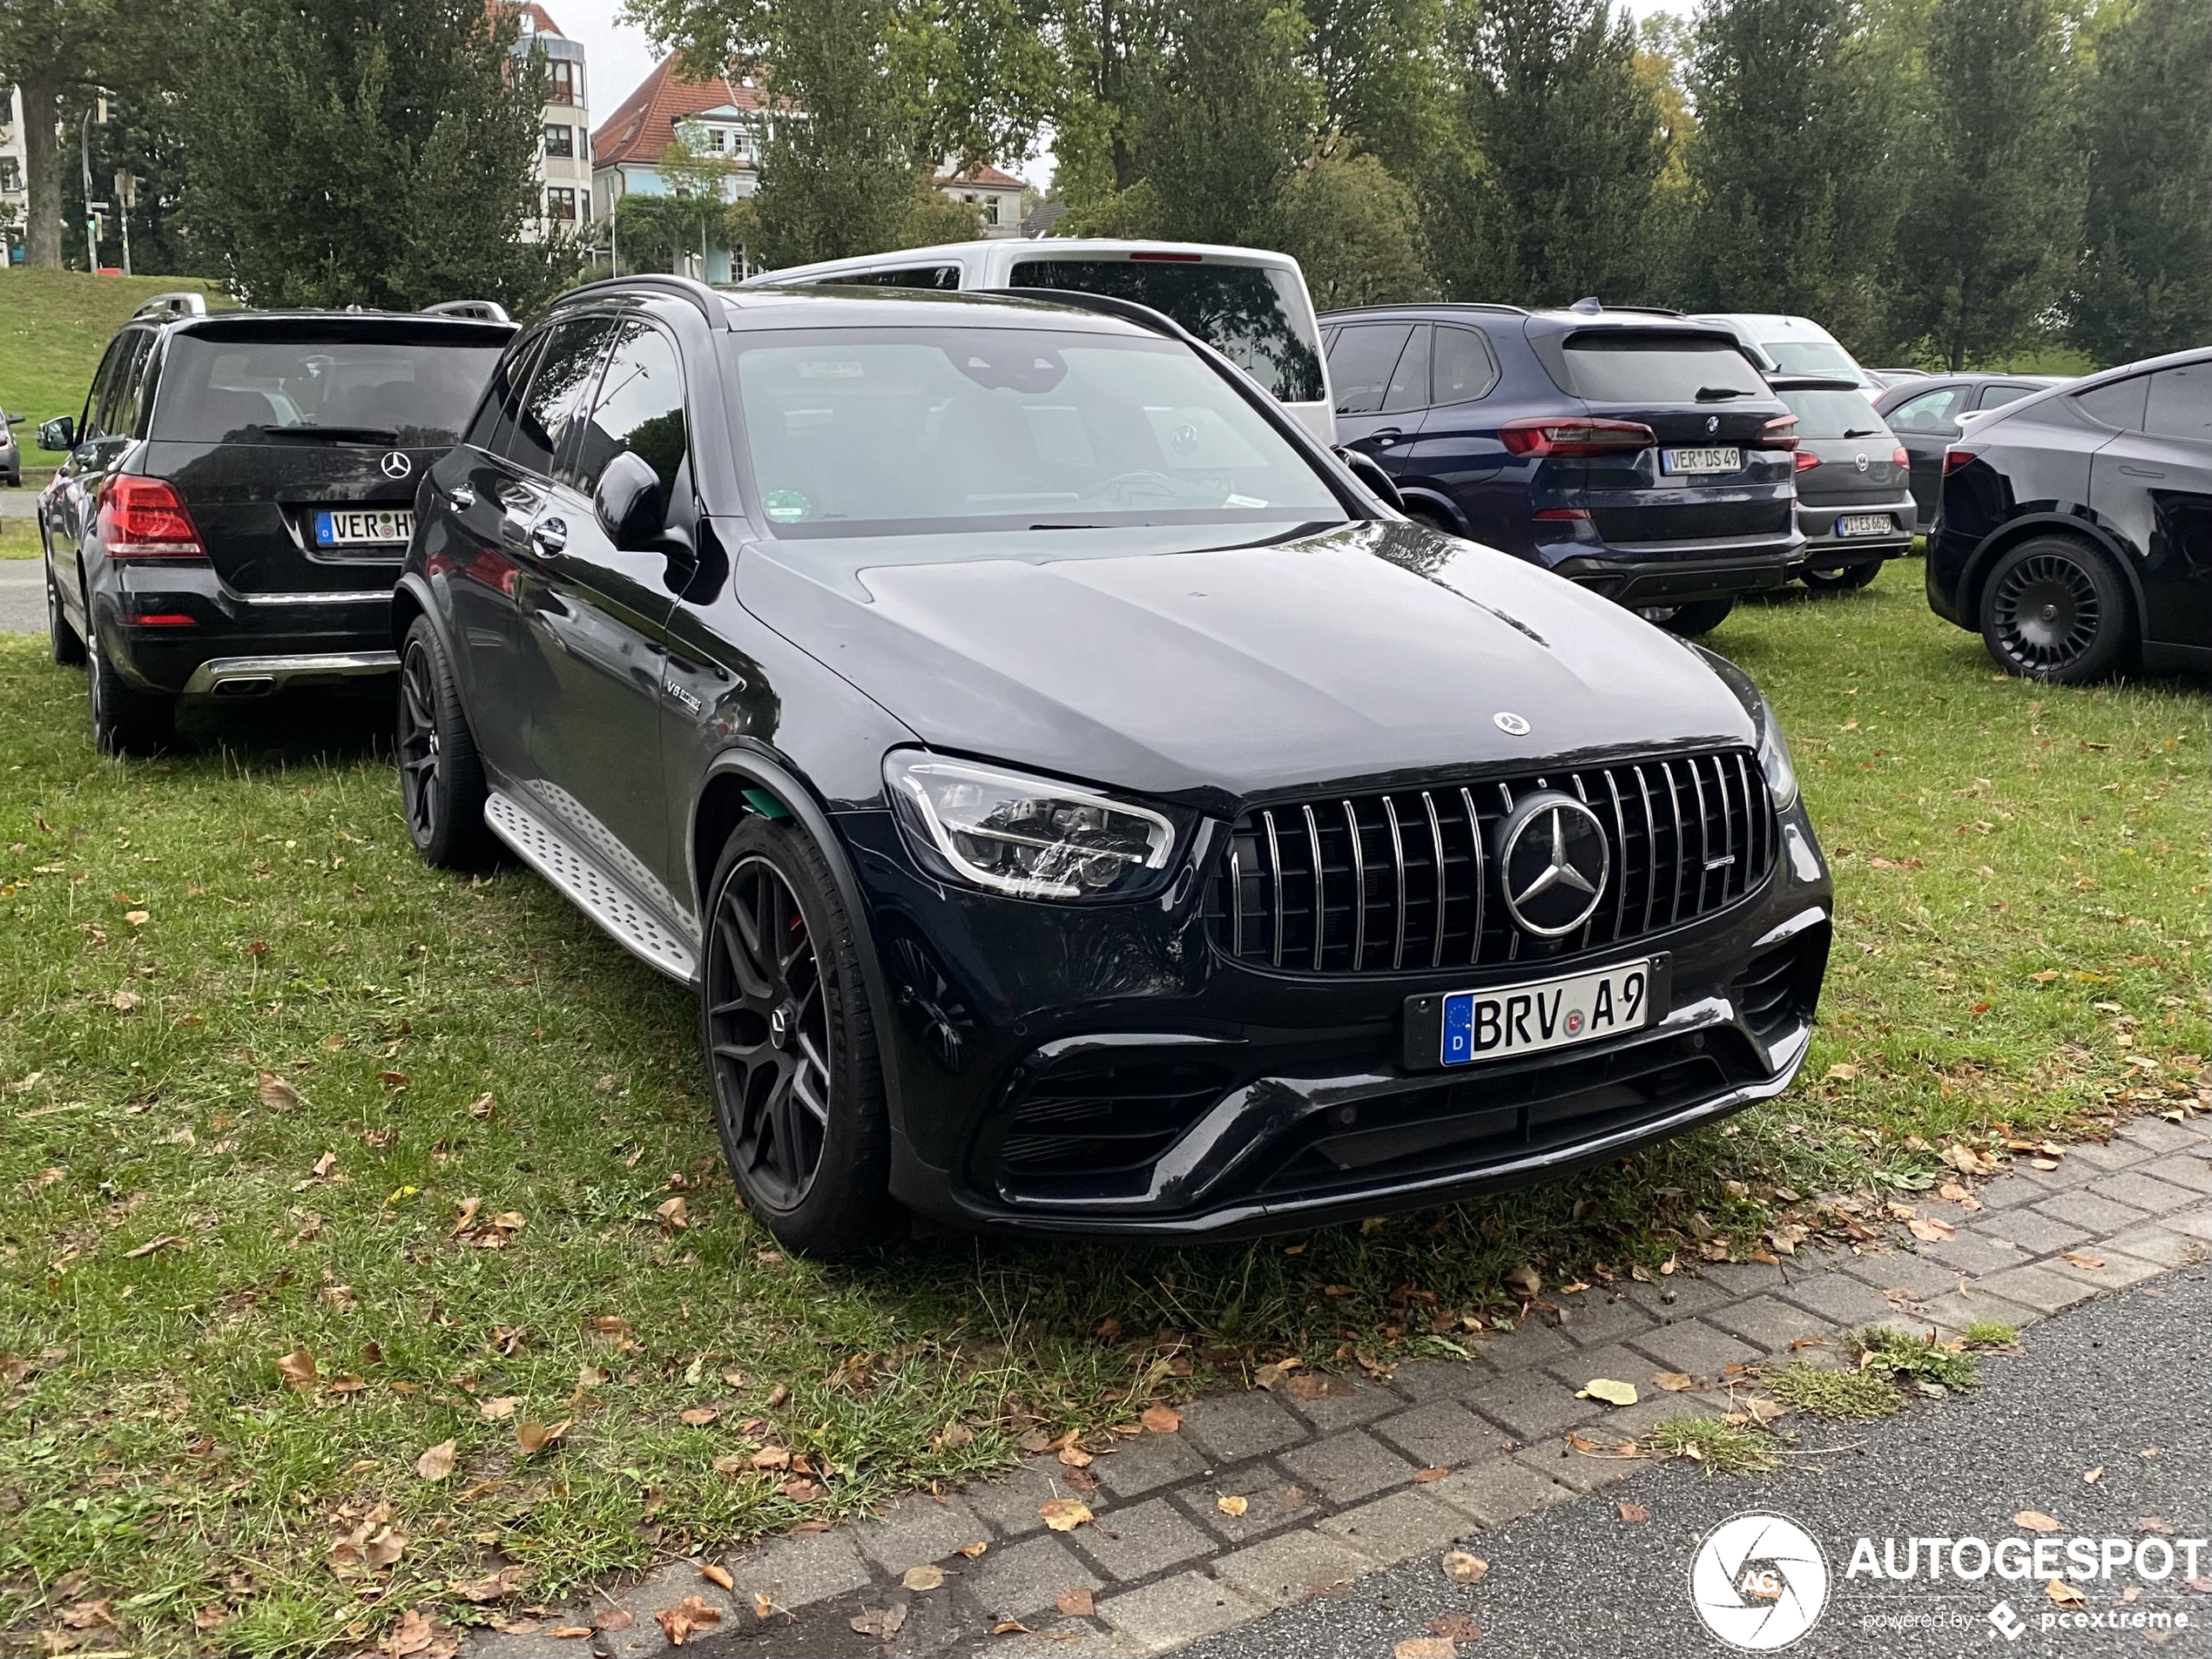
point(330, 434)
point(1863, 432)
point(1714, 394)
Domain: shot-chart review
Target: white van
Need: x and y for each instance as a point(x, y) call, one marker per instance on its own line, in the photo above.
point(1793, 345)
point(1249, 305)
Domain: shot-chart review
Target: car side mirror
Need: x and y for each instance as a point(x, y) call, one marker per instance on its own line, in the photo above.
point(15, 420)
point(60, 433)
point(1369, 472)
point(631, 504)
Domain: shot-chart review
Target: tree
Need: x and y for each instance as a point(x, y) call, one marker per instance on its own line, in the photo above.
point(1569, 144)
point(2145, 284)
point(380, 152)
point(1357, 233)
point(1993, 181)
point(1792, 198)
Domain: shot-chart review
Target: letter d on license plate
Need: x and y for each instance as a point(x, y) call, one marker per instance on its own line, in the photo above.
point(1507, 1021)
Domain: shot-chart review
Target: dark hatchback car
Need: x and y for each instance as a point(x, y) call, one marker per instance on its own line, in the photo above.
point(237, 494)
point(1854, 507)
point(1079, 804)
point(2075, 531)
point(1637, 453)
point(1928, 412)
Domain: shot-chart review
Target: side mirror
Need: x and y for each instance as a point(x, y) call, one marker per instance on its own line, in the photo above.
point(15, 420)
point(631, 504)
point(1369, 472)
point(60, 433)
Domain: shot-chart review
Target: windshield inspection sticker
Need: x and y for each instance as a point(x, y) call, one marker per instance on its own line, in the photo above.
point(786, 506)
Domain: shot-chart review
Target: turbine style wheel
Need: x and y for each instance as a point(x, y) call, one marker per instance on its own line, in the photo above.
point(790, 1041)
point(2054, 608)
point(441, 781)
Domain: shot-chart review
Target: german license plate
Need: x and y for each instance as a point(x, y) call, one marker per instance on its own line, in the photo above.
point(1512, 1021)
point(362, 527)
point(1866, 524)
point(1728, 459)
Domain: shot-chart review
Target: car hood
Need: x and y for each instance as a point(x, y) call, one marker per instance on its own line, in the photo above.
point(1180, 664)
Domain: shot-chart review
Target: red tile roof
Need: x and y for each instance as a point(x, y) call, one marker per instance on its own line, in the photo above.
point(985, 176)
point(640, 130)
point(541, 19)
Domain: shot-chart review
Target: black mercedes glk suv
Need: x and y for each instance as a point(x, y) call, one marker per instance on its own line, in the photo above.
point(238, 494)
point(1079, 804)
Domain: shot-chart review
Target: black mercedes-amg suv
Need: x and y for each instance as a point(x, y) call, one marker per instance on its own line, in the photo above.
point(1078, 802)
point(238, 494)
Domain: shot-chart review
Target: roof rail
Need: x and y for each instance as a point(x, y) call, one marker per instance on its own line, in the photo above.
point(1431, 305)
point(476, 310)
point(681, 288)
point(1105, 304)
point(1590, 305)
point(188, 303)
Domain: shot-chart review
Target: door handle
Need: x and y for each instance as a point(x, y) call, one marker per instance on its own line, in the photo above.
point(1386, 437)
point(462, 496)
point(550, 535)
point(2140, 472)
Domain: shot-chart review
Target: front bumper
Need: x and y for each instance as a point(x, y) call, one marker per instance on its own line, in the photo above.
point(1826, 550)
point(1108, 1071)
point(182, 630)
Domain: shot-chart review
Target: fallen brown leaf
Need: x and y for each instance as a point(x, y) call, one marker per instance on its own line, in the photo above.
point(1463, 1569)
point(534, 1436)
point(437, 1462)
point(1931, 1230)
point(1162, 1419)
point(1064, 1515)
point(1676, 1382)
point(687, 1618)
point(2088, 1264)
point(1455, 1626)
point(715, 1573)
point(923, 1578)
point(2035, 1520)
point(1634, 1513)
point(298, 1369)
point(975, 1549)
point(1232, 1505)
point(2063, 1593)
point(1429, 1477)
point(697, 1416)
point(1076, 1603)
point(499, 1410)
point(881, 1622)
point(1425, 1647)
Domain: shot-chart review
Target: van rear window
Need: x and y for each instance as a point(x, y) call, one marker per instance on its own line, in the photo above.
point(1618, 366)
point(1252, 315)
point(248, 390)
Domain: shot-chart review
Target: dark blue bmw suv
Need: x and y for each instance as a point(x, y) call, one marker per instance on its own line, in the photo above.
point(1634, 451)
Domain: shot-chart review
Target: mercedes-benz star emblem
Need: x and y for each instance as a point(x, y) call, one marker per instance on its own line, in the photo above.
point(396, 465)
point(1553, 861)
point(1509, 723)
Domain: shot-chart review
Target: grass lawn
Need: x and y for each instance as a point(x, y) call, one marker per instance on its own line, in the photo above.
point(268, 1083)
point(53, 326)
point(18, 537)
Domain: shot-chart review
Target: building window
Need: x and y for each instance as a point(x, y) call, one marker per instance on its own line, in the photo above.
point(564, 85)
point(560, 139)
point(991, 211)
point(560, 205)
point(715, 140)
point(10, 174)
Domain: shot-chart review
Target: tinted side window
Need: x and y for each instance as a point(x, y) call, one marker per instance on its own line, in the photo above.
point(1930, 412)
point(120, 411)
point(1409, 381)
point(503, 402)
point(911, 276)
point(101, 398)
point(1361, 362)
point(640, 408)
point(559, 391)
point(1465, 369)
point(2119, 404)
point(2181, 404)
point(1993, 396)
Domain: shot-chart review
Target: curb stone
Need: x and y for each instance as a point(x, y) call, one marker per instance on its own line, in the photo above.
point(1330, 1483)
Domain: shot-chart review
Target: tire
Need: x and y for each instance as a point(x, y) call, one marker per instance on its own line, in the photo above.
point(68, 645)
point(441, 778)
point(1691, 621)
point(789, 1036)
point(125, 720)
point(2055, 609)
point(1851, 577)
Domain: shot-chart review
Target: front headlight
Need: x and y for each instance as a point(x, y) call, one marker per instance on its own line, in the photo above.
point(1774, 758)
point(1034, 837)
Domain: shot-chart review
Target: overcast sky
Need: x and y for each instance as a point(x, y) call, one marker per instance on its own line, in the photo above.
point(617, 56)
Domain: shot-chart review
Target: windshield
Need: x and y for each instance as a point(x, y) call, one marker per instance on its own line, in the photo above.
point(1254, 315)
point(386, 390)
point(1810, 357)
point(1834, 414)
point(1618, 366)
point(888, 432)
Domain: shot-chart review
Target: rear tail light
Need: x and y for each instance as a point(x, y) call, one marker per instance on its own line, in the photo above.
point(1543, 436)
point(146, 518)
point(1899, 457)
point(1158, 257)
point(1556, 514)
point(1954, 459)
point(1776, 434)
point(1807, 460)
point(162, 619)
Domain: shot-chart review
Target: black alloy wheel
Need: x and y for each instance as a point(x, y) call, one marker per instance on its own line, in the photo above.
point(68, 645)
point(1691, 621)
point(790, 1043)
point(1844, 581)
point(125, 721)
point(442, 780)
point(2054, 608)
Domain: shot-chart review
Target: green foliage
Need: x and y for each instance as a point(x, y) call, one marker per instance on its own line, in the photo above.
point(1721, 1447)
point(1357, 233)
point(1570, 145)
point(378, 152)
point(1991, 1333)
point(1901, 1354)
point(2145, 284)
point(1992, 169)
point(1790, 181)
point(1850, 1395)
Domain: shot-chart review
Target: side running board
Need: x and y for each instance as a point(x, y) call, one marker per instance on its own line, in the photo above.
point(589, 887)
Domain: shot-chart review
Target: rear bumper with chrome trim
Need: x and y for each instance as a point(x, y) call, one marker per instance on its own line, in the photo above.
point(228, 642)
point(252, 676)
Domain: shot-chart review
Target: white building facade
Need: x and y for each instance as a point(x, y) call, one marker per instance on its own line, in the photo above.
point(564, 142)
